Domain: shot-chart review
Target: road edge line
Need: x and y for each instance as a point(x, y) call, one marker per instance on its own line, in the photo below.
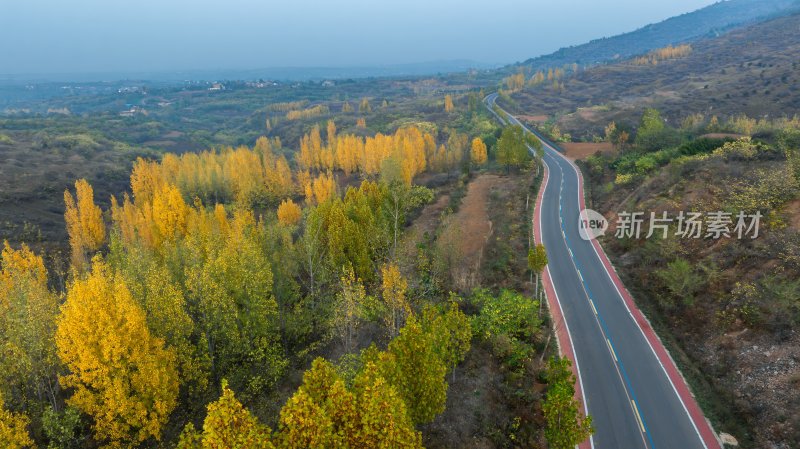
point(670, 368)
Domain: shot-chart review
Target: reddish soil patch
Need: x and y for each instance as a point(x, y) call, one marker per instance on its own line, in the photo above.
point(582, 150)
point(473, 218)
point(533, 118)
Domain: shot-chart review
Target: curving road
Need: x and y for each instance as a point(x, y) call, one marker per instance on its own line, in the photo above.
point(627, 380)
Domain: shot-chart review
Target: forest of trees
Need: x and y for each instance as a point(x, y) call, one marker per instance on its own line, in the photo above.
point(176, 297)
point(190, 298)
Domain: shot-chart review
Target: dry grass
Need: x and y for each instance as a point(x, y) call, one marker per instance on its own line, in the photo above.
point(582, 150)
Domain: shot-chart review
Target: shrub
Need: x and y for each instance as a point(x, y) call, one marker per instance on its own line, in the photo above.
point(701, 146)
point(645, 164)
point(769, 190)
point(681, 280)
point(510, 322)
point(623, 179)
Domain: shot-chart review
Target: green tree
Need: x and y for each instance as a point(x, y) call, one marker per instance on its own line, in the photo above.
point(508, 320)
point(537, 261)
point(28, 362)
point(513, 147)
point(565, 425)
point(348, 309)
point(62, 428)
point(324, 413)
point(303, 423)
point(384, 420)
point(156, 290)
point(398, 200)
point(229, 283)
point(789, 142)
point(452, 332)
point(415, 369)
point(653, 133)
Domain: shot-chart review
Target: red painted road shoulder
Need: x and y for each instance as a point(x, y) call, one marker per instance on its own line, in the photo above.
point(563, 338)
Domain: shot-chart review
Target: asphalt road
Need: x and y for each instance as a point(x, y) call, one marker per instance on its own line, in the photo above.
point(632, 400)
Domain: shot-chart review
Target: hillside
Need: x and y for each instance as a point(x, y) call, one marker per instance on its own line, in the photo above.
point(708, 21)
point(728, 307)
point(752, 71)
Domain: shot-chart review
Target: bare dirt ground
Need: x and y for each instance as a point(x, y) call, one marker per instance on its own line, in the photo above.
point(582, 150)
point(471, 228)
point(541, 118)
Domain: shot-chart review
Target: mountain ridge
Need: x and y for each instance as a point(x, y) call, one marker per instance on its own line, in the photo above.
point(709, 21)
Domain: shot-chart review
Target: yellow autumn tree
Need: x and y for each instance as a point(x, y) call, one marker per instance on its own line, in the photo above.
point(170, 213)
point(536, 79)
point(278, 179)
point(146, 179)
point(324, 413)
point(394, 296)
point(14, 429)
point(448, 103)
point(119, 373)
point(347, 149)
point(304, 423)
point(228, 425)
point(322, 188)
point(478, 154)
point(84, 219)
point(515, 82)
point(331, 133)
point(289, 213)
point(385, 419)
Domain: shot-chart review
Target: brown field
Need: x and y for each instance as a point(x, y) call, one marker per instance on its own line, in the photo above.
point(582, 150)
point(533, 118)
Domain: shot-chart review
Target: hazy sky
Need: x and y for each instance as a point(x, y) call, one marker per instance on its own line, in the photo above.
point(62, 36)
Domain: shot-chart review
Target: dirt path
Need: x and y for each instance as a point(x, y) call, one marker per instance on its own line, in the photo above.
point(473, 217)
point(471, 227)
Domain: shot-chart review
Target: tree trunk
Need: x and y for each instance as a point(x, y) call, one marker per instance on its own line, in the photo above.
point(544, 351)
